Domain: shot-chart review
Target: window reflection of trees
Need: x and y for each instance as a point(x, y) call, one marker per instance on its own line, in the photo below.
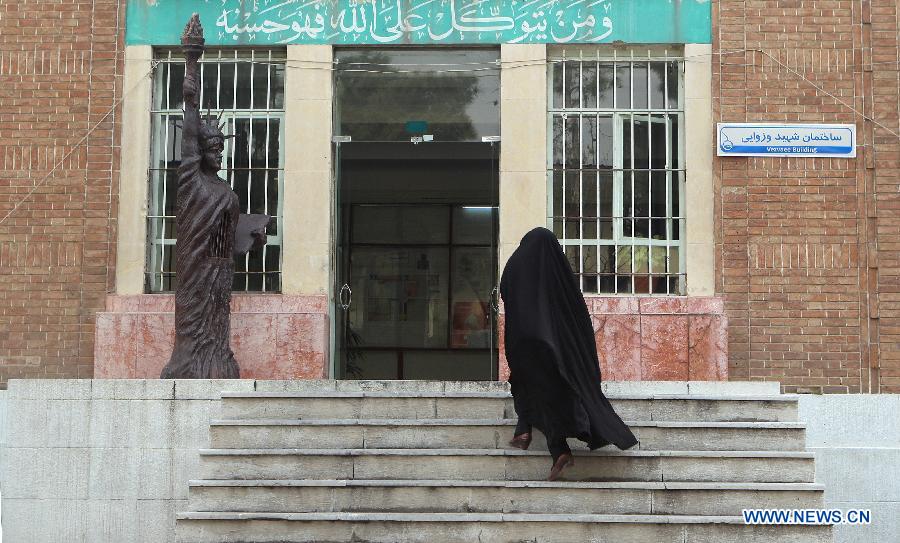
point(379, 92)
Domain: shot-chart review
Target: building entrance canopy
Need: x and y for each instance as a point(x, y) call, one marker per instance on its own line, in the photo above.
point(437, 22)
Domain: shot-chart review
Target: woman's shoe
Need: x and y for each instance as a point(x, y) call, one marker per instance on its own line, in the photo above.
point(565, 460)
point(521, 441)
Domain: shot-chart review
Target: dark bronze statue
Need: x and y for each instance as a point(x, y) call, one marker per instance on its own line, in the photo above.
point(207, 218)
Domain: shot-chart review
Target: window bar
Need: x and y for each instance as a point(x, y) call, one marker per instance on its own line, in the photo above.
point(219, 81)
point(666, 82)
point(615, 74)
point(596, 271)
point(681, 228)
point(234, 80)
point(649, 175)
point(165, 180)
point(250, 143)
point(581, 197)
point(669, 166)
point(234, 124)
point(564, 154)
point(266, 174)
point(615, 270)
point(649, 192)
point(617, 192)
point(564, 171)
point(668, 201)
point(202, 67)
point(649, 93)
point(580, 80)
point(580, 221)
point(633, 165)
point(564, 85)
point(229, 147)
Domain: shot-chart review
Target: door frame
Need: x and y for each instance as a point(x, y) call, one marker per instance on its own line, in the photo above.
point(339, 274)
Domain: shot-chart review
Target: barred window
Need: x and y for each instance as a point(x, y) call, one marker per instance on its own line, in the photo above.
point(616, 171)
point(245, 87)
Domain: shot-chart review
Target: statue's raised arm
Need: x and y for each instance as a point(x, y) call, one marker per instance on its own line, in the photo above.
point(192, 44)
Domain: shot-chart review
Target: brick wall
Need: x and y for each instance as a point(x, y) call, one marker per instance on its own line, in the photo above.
point(60, 75)
point(809, 253)
point(809, 249)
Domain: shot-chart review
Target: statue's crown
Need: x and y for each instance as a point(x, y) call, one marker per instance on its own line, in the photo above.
point(211, 130)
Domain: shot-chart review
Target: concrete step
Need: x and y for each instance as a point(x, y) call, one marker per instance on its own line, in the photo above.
point(455, 496)
point(487, 433)
point(496, 405)
point(506, 465)
point(610, 388)
point(269, 527)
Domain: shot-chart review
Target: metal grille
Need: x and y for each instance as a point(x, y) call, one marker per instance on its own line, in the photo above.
point(247, 88)
point(616, 171)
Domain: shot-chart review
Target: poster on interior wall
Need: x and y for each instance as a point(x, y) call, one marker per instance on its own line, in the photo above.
point(786, 140)
point(397, 22)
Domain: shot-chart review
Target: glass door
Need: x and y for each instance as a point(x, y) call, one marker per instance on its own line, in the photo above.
point(416, 266)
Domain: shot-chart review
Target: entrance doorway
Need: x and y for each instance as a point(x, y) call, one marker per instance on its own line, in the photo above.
point(416, 205)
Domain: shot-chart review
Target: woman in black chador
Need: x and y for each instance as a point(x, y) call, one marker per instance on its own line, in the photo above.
point(207, 217)
point(554, 369)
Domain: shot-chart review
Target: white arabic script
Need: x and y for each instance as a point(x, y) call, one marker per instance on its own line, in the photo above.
point(418, 21)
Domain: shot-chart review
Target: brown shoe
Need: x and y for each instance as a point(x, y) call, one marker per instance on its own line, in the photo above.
point(565, 460)
point(521, 441)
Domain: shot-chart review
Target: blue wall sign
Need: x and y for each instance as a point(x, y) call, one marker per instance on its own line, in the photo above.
point(359, 22)
point(786, 140)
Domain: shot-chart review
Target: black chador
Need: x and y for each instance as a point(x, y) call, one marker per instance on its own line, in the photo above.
point(552, 354)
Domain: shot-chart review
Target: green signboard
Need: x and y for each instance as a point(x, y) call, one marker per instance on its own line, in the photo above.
point(396, 22)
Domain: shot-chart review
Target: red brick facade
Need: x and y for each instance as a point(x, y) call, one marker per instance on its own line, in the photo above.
point(809, 249)
point(60, 75)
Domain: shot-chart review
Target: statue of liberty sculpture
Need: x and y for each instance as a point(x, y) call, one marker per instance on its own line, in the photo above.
point(207, 219)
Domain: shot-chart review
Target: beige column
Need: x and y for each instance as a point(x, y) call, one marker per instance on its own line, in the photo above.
point(308, 183)
point(698, 153)
point(523, 143)
point(135, 164)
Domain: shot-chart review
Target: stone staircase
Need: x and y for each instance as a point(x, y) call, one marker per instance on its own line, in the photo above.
point(407, 461)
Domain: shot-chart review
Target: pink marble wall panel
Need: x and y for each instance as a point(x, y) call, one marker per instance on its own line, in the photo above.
point(301, 344)
point(704, 306)
point(662, 306)
point(619, 305)
point(618, 340)
point(253, 342)
point(286, 337)
point(132, 345)
point(656, 339)
point(664, 348)
point(272, 336)
point(708, 348)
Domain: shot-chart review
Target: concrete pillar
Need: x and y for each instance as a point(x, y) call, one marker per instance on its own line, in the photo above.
point(698, 154)
point(307, 197)
point(523, 146)
point(133, 182)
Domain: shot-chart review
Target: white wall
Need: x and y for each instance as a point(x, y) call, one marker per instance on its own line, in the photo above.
point(856, 439)
point(2, 452)
point(97, 461)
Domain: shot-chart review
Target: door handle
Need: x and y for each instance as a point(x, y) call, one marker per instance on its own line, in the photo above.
point(345, 290)
point(495, 302)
